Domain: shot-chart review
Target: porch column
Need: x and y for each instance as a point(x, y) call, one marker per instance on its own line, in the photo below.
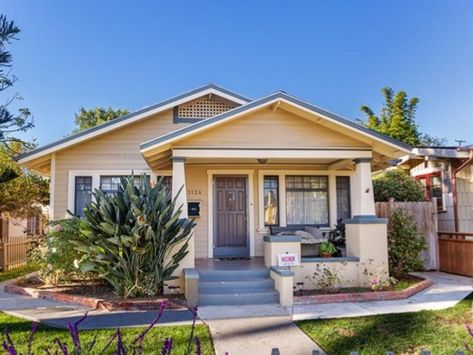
point(178, 182)
point(366, 235)
point(363, 196)
point(179, 192)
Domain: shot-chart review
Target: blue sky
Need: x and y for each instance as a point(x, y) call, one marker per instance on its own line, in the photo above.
point(335, 54)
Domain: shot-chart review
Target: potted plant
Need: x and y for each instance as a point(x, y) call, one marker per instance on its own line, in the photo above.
point(327, 249)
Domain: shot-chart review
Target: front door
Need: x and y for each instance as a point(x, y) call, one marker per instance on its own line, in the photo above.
point(230, 216)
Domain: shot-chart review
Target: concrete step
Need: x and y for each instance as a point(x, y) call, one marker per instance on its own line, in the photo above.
point(233, 275)
point(265, 297)
point(234, 290)
point(234, 286)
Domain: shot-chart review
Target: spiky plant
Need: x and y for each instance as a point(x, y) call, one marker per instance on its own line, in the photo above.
point(134, 239)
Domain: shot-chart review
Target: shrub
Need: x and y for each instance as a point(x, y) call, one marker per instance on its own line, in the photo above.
point(134, 239)
point(397, 184)
point(405, 244)
point(54, 254)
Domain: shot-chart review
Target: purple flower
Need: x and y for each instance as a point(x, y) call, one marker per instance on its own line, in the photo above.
point(34, 329)
point(198, 350)
point(62, 346)
point(167, 347)
point(139, 339)
point(74, 331)
point(120, 347)
point(10, 349)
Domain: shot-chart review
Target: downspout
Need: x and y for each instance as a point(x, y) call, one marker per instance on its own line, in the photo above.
point(454, 187)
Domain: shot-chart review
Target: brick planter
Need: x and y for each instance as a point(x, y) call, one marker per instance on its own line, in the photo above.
point(91, 302)
point(364, 296)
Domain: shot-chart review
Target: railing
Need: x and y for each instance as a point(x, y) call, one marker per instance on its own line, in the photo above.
point(456, 252)
point(14, 251)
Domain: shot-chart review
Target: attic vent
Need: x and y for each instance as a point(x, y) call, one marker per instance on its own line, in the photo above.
point(203, 107)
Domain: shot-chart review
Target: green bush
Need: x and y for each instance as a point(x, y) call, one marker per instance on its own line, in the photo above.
point(54, 254)
point(134, 239)
point(405, 244)
point(397, 184)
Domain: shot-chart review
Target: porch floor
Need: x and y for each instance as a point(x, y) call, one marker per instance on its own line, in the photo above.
point(256, 263)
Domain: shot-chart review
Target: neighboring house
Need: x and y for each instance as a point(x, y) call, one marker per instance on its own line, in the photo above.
point(447, 174)
point(244, 165)
point(20, 226)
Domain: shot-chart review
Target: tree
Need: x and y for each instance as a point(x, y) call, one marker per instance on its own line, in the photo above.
point(10, 123)
point(88, 118)
point(22, 194)
point(397, 184)
point(397, 119)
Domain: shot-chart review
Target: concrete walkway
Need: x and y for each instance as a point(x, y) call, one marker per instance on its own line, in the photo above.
point(447, 290)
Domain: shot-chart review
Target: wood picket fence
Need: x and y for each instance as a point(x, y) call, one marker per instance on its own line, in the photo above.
point(425, 217)
point(14, 250)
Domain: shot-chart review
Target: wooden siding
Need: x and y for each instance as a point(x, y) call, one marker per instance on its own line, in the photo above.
point(265, 128)
point(465, 199)
point(117, 150)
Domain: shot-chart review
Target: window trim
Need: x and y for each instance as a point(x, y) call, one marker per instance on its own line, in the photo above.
point(427, 192)
point(95, 174)
point(332, 198)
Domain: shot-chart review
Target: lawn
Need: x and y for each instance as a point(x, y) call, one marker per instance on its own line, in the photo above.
point(443, 332)
point(45, 336)
point(13, 274)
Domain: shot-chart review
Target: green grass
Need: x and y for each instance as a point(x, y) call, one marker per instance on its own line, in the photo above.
point(21, 271)
point(442, 332)
point(45, 336)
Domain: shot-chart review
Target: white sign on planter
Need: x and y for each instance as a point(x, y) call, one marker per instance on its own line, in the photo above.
point(288, 260)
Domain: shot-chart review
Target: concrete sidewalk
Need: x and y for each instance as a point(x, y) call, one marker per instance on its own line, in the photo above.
point(447, 290)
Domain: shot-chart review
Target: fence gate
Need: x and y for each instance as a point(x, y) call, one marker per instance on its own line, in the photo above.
point(456, 253)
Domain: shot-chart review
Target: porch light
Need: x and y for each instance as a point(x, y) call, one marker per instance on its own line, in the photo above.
point(262, 161)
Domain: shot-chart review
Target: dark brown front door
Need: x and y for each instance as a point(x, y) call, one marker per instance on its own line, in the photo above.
point(230, 216)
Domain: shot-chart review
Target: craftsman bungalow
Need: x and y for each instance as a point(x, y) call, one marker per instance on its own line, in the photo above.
point(245, 165)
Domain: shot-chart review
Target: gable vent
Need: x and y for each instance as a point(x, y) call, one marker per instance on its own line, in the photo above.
point(201, 108)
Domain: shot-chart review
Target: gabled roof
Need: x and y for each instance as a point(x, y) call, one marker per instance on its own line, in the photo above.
point(265, 101)
point(130, 118)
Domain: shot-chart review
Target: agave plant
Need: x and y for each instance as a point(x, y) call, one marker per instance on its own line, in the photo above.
point(134, 239)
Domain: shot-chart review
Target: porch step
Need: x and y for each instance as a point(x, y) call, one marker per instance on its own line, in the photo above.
point(233, 275)
point(265, 297)
point(236, 287)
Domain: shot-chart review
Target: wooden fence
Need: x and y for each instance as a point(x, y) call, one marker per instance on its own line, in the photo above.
point(456, 253)
point(14, 251)
point(425, 217)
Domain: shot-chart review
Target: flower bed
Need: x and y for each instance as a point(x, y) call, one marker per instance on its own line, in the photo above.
point(95, 302)
point(363, 296)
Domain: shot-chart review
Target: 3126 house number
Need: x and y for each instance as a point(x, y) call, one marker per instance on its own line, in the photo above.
point(194, 192)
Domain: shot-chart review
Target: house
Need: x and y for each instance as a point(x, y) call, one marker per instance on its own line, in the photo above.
point(245, 165)
point(447, 174)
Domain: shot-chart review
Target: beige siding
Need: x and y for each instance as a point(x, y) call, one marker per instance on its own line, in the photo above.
point(271, 129)
point(117, 150)
point(465, 199)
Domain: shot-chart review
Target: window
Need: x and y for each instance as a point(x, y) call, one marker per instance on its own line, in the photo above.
point(432, 184)
point(343, 197)
point(83, 194)
point(307, 200)
point(271, 200)
point(109, 184)
point(167, 182)
point(33, 225)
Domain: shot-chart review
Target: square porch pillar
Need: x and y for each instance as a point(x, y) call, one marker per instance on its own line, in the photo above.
point(179, 193)
point(366, 235)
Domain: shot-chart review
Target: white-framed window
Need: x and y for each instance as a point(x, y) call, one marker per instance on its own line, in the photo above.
point(303, 197)
point(83, 182)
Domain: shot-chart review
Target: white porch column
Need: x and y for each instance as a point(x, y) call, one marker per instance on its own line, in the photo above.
point(178, 182)
point(363, 196)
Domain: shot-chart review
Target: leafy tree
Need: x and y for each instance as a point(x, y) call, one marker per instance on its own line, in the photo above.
point(10, 123)
point(397, 119)
point(134, 239)
point(397, 184)
point(88, 118)
point(21, 194)
point(405, 244)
